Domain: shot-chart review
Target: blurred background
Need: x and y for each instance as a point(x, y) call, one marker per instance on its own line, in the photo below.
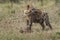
point(11, 20)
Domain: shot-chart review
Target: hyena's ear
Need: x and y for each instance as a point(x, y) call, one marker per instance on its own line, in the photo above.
point(28, 6)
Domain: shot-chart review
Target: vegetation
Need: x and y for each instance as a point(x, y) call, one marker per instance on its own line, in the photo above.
point(11, 20)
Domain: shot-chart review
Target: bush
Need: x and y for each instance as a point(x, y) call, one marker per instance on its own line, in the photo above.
point(15, 1)
point(57, 2)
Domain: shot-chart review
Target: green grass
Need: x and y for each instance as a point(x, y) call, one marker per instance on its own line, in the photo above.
point(58, 14)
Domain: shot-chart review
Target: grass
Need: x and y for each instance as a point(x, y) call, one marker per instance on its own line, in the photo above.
point(11, 20)
point(56, 36)
point(59, 14)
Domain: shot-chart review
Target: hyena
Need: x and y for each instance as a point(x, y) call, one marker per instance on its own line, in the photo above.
point(36, 16)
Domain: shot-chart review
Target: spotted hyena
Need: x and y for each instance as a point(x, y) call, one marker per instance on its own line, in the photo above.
point(36, 16)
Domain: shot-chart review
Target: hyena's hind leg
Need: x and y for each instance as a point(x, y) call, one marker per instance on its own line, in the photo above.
point(46, 19)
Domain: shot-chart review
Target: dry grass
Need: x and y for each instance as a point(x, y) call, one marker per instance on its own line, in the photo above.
point(11, 21)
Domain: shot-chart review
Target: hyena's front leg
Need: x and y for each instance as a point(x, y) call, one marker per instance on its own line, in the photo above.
point(29, 25)
point(42, 23)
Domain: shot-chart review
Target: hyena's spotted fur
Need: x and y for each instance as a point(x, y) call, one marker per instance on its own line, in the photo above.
point(36, 16)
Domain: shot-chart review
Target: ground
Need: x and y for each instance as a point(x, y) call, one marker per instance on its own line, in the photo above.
point(12, 19)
